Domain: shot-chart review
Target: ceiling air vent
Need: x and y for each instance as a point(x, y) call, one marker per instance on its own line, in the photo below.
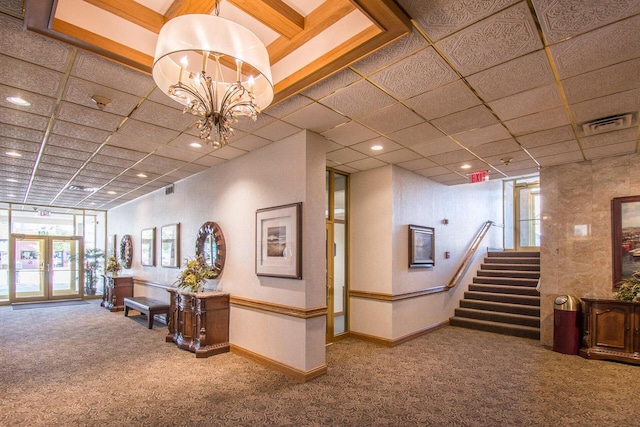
point(168, 190)
point(608, 124)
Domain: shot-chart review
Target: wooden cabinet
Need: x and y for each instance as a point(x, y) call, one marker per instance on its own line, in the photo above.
point(611, 330)
point(115, 290)
point(199, 322)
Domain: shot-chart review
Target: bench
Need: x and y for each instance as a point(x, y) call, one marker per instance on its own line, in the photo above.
point(145, 306)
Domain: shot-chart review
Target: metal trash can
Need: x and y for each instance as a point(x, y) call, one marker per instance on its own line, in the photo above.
point(566, 324)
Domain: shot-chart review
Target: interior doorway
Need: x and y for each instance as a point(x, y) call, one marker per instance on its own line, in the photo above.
point(336, 255)
point(522, 214)
point(43, 268)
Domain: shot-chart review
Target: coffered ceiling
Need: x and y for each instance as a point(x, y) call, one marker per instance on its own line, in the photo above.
point(501, 85)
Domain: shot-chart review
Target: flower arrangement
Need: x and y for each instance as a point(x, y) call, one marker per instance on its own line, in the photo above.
point(113, 266)
point(629, 288)
point(195, 274)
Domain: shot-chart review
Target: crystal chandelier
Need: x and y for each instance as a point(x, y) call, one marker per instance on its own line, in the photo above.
point(216, 68)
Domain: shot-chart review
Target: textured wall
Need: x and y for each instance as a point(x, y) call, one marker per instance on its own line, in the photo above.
point(576, 229)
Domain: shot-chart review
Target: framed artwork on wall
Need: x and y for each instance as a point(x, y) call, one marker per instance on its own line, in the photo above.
point(421, 246)
point(111, 245)
point(148, 247)
point(170, 245)
point(279, 241)
point(126, 251)
point(625, 236)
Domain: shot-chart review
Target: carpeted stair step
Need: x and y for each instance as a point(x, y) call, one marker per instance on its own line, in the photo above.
point(507, 298)
point(497, 327)
point(527, 310)
point(509, 273)
point(530, 283)
point(495, 316)
point(511, 260)
point(528, 254)
point(504, 289)
point(512, 267)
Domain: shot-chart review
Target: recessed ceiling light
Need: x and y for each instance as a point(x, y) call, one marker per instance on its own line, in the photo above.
point(18, 101)
point(111, 192)
point(141, 175)
point(465, 166)
point(13, 154)
point(377, 147)
point(11, 195)
point(195, 145)
point(11, 180)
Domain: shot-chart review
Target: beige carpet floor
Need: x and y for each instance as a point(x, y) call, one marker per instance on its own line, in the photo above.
point(82, 365)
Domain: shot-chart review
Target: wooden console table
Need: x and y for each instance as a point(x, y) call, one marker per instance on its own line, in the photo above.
point(115, 290)
point(611, 330)
point(199, 322)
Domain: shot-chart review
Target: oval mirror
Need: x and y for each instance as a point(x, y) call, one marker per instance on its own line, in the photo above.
point(126, 251)
point(210, 244)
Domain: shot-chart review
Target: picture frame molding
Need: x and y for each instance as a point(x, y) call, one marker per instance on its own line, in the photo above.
point(415, 259)
point(291, 266)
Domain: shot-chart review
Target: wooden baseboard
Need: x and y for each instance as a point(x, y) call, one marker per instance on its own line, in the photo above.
point(296, 374)
point(403, 339)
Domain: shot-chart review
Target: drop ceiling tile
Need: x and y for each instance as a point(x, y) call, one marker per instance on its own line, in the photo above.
point(349, 133)
point(29, 77)
point(250, 142)
point(276, 131)
point(345, 169)
point(358, 99)
point(94, 68)
point(147, 132)
point(568, 18)
point(434, 171)
point(184, 140)
point(40, 105)
point(228, 152)
point(609, 138)
point(31, 46)
point(112, 169)
point(536, 139)
point(560, 159)
point(452, 157)
point(602, 82)
point(182, 174)
point(417, 164)
point(79, 132)
point(64, 152)
point(414, 135)
point(20, 133)
point(15, 117)
point(210, 161)
point(331, 146)
point(315, 117)
point(178, 153)
point(365, 147)
point(90, 117)
point(391, 119)
point(602, 47)
point(345, 155)
point(331, 84)
point(54, 174)
point(166, 117)
point(528, 102)
point(160, 97)
point(18, 145)
point(86, 172)
point(72, 143)
point(520, 74)
point(554, 149)
point(519, 168)
point(26, 161)
point(495, 148)
point(366, 164)
point(122, 153)
point(435, 146)
point(511, 157)
point(24, 169)
point(482, 135)
point(462, 121)
point(113, 161)
point(389, 54)
point(190, 169)
point(62, 161)
point(444, 100)
point(504, 36)
point(538, 122)
point(451, 179)
point(288, 106)
point(475, 166)
point(246, 124)
point(624, 102)
point(610, 150)
point(80, 91)
point(163, 164)
point(132, 143)
point(399, 156)
point(420, 72)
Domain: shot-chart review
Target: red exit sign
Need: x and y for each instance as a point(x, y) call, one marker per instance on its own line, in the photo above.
point(480, 176)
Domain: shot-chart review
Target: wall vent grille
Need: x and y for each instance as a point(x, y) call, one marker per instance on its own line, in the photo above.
point(168, 189)
point(608, 124)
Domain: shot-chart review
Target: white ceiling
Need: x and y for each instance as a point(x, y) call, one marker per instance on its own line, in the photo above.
point(476, 82)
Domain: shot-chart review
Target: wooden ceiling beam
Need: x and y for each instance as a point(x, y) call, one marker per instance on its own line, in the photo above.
point(132, 12)
point(275, 14)
point(185, 7)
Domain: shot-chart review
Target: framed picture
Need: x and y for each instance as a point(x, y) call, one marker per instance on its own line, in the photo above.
point(170, 245)
point(625, 236)
point(279, 241)
point(421, 246)
point(148, 247)
point(111, 245)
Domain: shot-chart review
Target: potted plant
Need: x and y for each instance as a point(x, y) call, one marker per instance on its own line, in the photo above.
point(629, 288)
point(113, 267)
point(195, 275)
point(91, 266)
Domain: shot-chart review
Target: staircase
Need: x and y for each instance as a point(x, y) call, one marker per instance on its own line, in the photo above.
point(503, 296)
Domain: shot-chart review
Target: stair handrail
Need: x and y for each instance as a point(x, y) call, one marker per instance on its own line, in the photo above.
point(469, 255)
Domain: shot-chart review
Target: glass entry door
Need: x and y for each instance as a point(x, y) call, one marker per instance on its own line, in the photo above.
point(527, 213)
point(45, 268)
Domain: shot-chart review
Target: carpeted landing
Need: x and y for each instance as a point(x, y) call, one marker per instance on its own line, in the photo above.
point(85, 366)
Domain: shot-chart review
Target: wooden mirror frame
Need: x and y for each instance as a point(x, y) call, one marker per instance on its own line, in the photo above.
point(211, 229)
point(126, 251)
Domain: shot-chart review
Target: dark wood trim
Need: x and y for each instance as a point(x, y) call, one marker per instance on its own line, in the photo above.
point(401, 340)
point(296, 374)
point(397, 297)
point(301, 313)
